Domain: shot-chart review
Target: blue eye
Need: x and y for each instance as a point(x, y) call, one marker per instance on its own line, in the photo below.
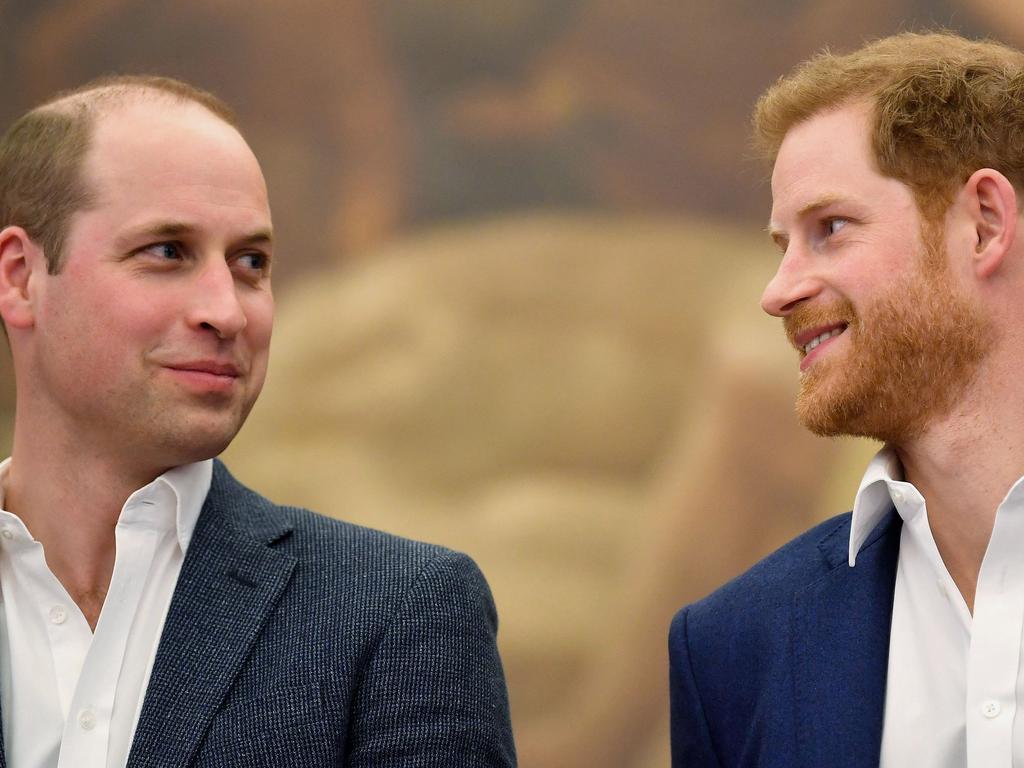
point(833, 225)
point(257, 261)
point(167, 251)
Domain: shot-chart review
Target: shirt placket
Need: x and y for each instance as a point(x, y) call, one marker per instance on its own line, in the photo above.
point(994, 658)
point(68, 632)
point(50, 641)
point(68, 701)
point(87, 728)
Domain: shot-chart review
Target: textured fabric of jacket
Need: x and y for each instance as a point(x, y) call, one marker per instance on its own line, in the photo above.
point(297, 640)
point(785, 666)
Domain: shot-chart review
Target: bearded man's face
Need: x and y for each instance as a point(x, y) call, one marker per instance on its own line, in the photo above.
point(888, 339)
point(911, 352)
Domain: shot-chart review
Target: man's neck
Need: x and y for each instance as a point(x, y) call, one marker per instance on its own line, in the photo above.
point(70, 501)
point(964, 466)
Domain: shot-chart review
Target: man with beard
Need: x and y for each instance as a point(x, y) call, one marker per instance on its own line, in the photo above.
point(892, 635)
point(155, 612)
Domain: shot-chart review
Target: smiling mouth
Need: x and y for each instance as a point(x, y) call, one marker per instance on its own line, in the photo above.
point(821, 338)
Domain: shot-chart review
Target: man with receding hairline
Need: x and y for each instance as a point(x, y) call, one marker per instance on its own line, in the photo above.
point(155, 612)
point(892, 635)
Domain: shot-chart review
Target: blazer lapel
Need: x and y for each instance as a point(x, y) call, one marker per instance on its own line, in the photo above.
point(841, 647)
point(229, 583)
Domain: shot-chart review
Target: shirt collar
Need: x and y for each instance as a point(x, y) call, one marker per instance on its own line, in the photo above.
point(172, 501)
point(182, 489)
point(874, 497)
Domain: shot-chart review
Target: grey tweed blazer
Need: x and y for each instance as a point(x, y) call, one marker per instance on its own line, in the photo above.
point(297, 640)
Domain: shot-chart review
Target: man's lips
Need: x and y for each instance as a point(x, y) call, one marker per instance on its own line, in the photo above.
point(805, 337)
point(206, 366)
point(205, 375)
point(812, 341)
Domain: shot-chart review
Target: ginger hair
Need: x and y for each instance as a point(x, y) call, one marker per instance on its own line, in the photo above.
point(942, 107)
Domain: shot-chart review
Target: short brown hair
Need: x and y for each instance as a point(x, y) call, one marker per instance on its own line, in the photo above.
point(943, 107)
point(41, 155)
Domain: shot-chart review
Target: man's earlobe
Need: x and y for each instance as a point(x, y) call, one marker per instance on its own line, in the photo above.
point(992, 207)
point(19, 255)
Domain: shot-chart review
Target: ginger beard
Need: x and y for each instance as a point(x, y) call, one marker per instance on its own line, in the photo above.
point(911, 354)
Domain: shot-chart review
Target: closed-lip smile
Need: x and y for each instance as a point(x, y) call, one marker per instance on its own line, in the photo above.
point(211, 367)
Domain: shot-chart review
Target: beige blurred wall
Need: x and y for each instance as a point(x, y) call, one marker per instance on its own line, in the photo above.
point(520, 258)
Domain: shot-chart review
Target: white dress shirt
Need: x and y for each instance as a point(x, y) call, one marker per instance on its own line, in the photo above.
point(71, 698)
point(954, 681)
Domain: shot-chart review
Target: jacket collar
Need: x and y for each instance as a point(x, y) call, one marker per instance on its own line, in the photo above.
point(230, 581)
point(841, 625)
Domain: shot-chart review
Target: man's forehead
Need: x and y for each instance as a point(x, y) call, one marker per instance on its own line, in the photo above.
point(173, 171)
point(151, 120)
point(843, 128)
point(823, 160)
point(152, 142)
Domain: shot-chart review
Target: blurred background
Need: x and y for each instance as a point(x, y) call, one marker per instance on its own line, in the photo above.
point(519, 258)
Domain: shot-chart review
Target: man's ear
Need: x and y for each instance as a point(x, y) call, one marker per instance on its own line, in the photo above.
point(991, 203)
point(19, 256)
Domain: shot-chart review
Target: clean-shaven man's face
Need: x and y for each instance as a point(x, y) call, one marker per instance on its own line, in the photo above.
point(887, 339)
point(153, 339)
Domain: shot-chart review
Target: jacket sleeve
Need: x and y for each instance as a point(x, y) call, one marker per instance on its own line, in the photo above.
point(690, 733)
point(433, 692)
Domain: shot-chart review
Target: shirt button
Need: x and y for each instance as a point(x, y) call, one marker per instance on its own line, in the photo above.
point(6, 532)
point(87, 720)
point(991, 709)
point(898, 496)
point(58, 614)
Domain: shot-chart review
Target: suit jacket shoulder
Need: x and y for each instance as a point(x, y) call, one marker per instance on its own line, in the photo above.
point(335, 556)
point(766, 664)
point(298, 640)
point(745, 604)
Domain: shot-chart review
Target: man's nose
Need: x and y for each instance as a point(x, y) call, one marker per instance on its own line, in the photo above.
point(215, 302)
point(794, 282)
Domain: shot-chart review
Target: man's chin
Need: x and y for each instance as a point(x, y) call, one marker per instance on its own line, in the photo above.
point(821, 422)
point(828, 411)
point(200, 438)
point(848, 414)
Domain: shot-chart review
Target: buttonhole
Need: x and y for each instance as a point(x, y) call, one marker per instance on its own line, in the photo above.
point(240, 577)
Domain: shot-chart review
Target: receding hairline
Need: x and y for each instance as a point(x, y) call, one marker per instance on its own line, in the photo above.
point(43, 152)
point(93, 106)
point(106, 95)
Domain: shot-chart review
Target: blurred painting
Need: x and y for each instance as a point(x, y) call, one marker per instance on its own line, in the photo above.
point(520, 257)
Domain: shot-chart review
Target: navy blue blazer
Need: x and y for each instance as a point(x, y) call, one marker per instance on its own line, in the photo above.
point(297, 640)
point(785, 666)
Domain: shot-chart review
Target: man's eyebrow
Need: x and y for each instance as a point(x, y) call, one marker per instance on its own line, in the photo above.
point(259, 237)
point(815, 205)
point(174, 229)
point(165, 229)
